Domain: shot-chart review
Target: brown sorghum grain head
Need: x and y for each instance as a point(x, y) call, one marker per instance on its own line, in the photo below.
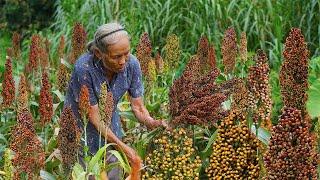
point(79, 40)
point(243, 47)
point(61, 48)
point(159, 63)
point(16, 40)
point(260, 90)
point(63, 77)
point(68, 138)
point(143, 53)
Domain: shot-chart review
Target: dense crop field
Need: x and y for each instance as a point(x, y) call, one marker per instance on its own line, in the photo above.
point(238, 83)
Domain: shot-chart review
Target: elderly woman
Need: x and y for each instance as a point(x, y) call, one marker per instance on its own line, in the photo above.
point(109, 60)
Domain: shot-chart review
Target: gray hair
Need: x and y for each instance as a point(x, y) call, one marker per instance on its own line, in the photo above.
point(107, 34)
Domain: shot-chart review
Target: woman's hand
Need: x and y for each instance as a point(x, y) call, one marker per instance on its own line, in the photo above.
point(158, 123)
point(134, 160)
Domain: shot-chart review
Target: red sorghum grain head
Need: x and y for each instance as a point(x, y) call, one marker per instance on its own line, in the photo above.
point(203, 54)
point(84, 103)
point(61, 48)
point(46, 101)
point(291, 153)
point(212, 57)
point(8, 88)
point(159, 63)
point(294, 71)
point(34, 53)
point(63, 77)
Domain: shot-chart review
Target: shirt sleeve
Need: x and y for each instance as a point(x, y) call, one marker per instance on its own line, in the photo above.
point(136, 88)
point(82, 77)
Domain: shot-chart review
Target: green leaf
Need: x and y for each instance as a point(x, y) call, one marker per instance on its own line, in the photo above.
point(211, 141)
point(46, 175)
point(313, 103)
point(262, 134)
point(122, 159)
point(59, 95)
point(78, 172)
point(97, 157)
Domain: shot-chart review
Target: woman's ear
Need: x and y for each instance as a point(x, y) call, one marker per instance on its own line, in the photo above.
point(97, 53)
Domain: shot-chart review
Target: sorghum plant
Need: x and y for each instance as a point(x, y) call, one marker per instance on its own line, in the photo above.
point(240, 96)
point(172, 52)
point(229, 50)
point(234, 151)
point(243, 47)
point(260, 91)
point(46, 101)
point(43, 57)
point(294, 71)
point(144, 49)
point(152, 72)
point(68, 138)
point(172, 157)
point(8, 88)
point(291, 153)
point(29, 157)
point(78, 42)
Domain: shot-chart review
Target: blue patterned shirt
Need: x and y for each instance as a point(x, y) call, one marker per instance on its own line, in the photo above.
point(89, 71)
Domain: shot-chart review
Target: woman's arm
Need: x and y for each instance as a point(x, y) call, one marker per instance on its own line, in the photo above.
point(142, 114)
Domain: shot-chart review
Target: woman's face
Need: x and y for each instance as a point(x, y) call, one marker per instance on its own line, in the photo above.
point(117, 55)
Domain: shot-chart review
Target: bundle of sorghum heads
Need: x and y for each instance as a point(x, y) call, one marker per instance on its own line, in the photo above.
point(291, 153)
point(172, 52)
point(84, 103)
point(259, 90)
point(46, 101)
point(243, 47)
point(78, 42)
point(229, 50)
point(63, 77)
point(196, 98)
point(8, 87)
point(29, 156)
point(294, 71)
point(106, 104)
point(143, 54)
point(16, 40)
point(172, 157)
point(68, 138)
point(34, 53)
point(234, 151)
